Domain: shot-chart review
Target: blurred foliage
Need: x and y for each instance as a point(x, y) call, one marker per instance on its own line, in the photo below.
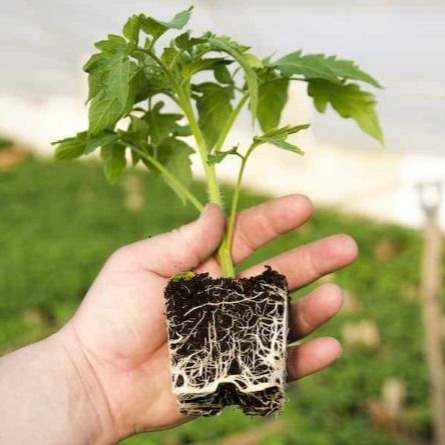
point(59, 223)
point(5, 142)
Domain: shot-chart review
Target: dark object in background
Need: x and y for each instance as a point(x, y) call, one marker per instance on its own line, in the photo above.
point(5, 142)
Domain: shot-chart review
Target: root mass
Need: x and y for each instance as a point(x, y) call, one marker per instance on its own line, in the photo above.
point(227, 341)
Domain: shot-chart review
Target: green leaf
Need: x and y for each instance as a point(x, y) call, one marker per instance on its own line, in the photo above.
point(163, 125)
point(96, 82)
point(283, 144)
point(148, 82)
point(97, 62)
point(131, 29)
point(97, 67)
point(347, 69)
point(70, 148)
point(111, 73)
point(214, 108)
point(253, 60)
point(156, 28)
point(135, 157)
point(104, 112)
point(174, 154)
point(278, 136)
point(113, 44)
point(137, 134)
point(195, 66)
point(272, 97)
point(222, 74)
point(183, 276)
point(227, 41)
point(152, 27)
point(168, 55)
point(349, 101)
point(99, 141)
point(185, 41)
point(94, 60)
point(319, 66)
point(180, 20)
point(112, 92)
point(218, 156)
point(138, 130)
point(119, 78)
point(236, 51)
point(113, 158)
point(285, 131)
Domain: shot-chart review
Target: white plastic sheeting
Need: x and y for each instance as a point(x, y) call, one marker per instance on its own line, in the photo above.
point(42, 90)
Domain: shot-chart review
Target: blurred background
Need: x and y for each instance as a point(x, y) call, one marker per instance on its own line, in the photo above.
point(59, 222)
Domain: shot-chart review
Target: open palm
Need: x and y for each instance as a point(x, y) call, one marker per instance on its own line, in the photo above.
point(121, 329)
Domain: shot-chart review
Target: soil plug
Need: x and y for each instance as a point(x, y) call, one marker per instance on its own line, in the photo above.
point(227, 342)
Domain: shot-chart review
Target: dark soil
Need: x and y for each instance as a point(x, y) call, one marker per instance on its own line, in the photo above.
point(228, 342)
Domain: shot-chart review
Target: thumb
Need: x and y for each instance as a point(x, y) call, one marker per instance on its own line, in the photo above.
point(181, 249)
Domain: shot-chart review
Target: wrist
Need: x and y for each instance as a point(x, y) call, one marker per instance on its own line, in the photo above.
point(89, 401)
point(49, 396)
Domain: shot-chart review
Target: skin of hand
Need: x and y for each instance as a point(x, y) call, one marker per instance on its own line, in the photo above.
point(113, 353)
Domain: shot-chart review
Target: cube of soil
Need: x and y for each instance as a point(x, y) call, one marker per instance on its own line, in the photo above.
point(227, 341)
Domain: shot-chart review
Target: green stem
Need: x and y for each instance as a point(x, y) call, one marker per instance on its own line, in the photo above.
point(212, 183)
point(230, 122)
point(224, 254)
point(156, 59)
point(228, 237)
point(184, 103)
point(153, 161)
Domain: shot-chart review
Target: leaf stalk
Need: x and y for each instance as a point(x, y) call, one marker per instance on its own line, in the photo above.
point(228, 237)
point(153, 161)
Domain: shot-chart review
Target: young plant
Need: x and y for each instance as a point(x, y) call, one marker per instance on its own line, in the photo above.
point(134, 84)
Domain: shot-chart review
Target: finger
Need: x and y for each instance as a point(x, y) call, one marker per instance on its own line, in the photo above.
point(307, 263)
point(179, 250)
point(311, 357)
point(260, 224)
point(310, 312)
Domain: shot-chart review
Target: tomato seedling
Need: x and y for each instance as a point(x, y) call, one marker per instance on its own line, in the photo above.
point(209, 80)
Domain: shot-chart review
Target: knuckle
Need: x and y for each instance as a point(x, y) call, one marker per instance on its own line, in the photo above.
point(242, 240)
point(313, 269)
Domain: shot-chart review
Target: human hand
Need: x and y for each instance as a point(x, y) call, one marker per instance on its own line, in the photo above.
point(117, 340)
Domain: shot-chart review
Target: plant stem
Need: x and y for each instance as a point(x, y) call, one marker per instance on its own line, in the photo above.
point(227, 241)
point(153, 161)
point(230, 122)
point(184, 103)
point(156, 59)
point(213, 186)
point(224, 253)
point(228, 237)
point(225, 249)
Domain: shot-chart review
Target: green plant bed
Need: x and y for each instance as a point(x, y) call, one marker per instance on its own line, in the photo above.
point(59, 224)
